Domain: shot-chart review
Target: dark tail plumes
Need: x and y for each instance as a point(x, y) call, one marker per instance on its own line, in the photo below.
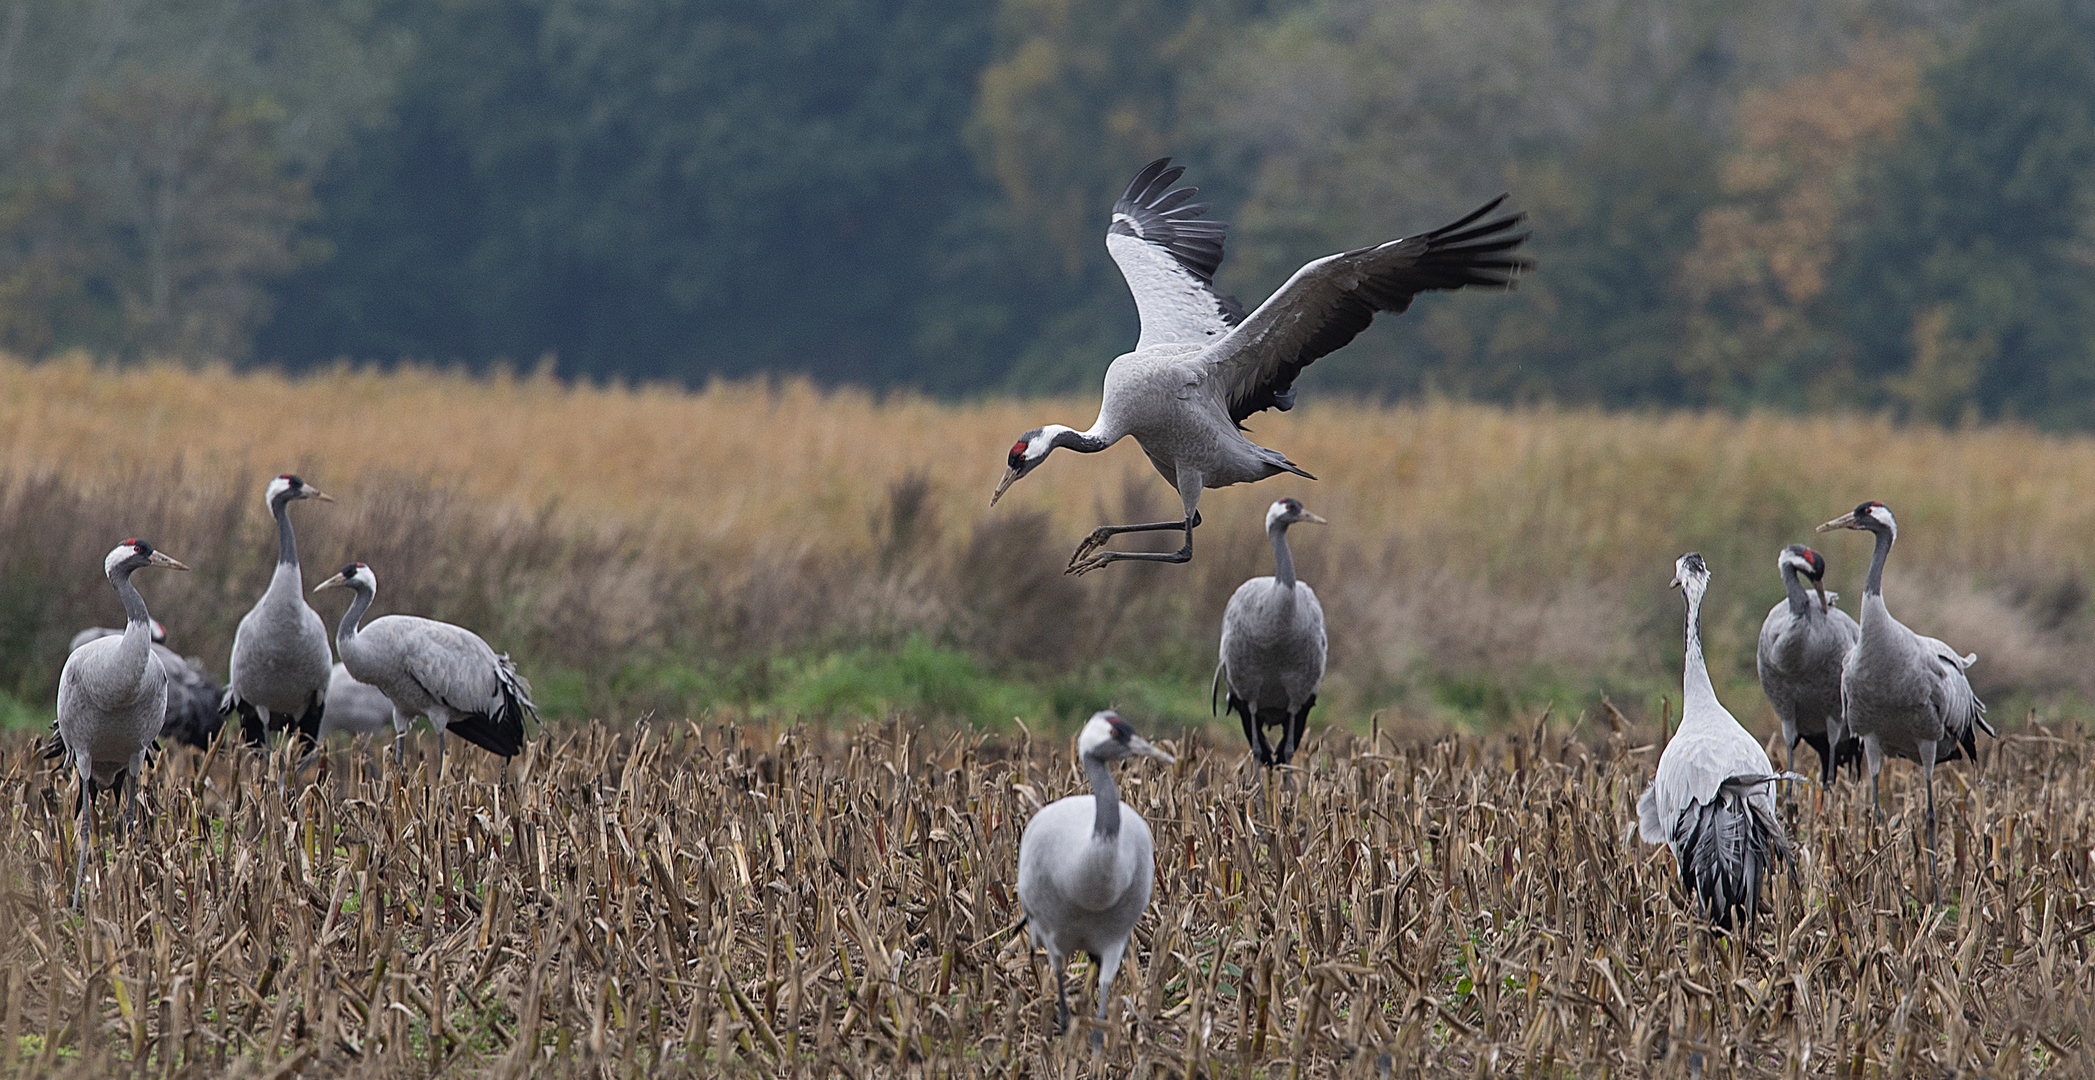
point(1290, 724)
point(500, 731)
point(1730, 845)
point(305, 729)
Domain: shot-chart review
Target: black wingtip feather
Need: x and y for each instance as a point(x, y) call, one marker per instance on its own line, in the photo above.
point(1158, 214)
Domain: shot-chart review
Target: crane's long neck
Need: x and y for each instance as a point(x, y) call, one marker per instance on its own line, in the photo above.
point(286, 543)
point(1088, 442)
point(1799, 596)
point(1695, 685)
point(1283, 559)
point(346, 631)
point(1875, 585)
point(138, 629)
point(1106, 826)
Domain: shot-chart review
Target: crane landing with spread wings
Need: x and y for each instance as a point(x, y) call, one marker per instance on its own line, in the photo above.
point(1202, 365)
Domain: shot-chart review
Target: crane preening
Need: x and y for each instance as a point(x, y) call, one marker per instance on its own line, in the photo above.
point(1201, 365)
point(1803, 647)
point(1084, 865)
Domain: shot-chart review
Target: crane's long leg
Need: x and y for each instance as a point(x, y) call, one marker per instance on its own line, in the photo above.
point(1108, 967)
point(1260, 752)
point(1298, 722)
point(1061, 993)
point(83, 826)
point(133, 770)
point(1080, 564)
point(1927, 772)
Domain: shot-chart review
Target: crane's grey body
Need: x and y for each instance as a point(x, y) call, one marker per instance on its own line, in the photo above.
point(1803, 649)
point(193, 696)
point(434, 669)
point(112, 698)
point(1709, 801)
point(1273, 645)
point(1085, 867)
point(1905, 695)
point(1201, 365)
point(281, 660)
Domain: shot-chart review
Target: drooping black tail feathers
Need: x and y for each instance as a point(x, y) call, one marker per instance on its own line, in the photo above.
point(1290, 724)
point(305, 730)
point(501, 729)
point(1729, 846)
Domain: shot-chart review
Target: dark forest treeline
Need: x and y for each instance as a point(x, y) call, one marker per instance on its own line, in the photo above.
point(1795, 203)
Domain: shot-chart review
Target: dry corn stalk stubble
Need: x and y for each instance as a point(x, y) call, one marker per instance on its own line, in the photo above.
point(701, 899)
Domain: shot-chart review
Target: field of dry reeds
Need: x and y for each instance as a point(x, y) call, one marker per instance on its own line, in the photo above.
point(780, 550)
point(696, 899)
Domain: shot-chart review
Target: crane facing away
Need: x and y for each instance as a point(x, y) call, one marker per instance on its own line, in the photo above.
point(1709, 801)
point(1084, 865)
point(434, 669)
point(1201, 365)
point(1803, 648)
point(112, 699)
point(1273, 645)
point(1905, 695)
point(280, 655)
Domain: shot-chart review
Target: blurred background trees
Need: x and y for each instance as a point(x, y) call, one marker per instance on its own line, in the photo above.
point(1764, 203)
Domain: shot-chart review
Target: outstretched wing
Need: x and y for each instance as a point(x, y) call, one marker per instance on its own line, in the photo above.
point(1333, 299)
point(1168, 256)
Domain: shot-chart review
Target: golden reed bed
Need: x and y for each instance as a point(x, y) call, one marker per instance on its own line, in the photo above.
point(685, 899)
point(1513, 555)
point(1563, 490)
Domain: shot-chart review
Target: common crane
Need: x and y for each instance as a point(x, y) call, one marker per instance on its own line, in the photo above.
point(1709, 801)
point(1905, 695)
point(434, 669)
point(1273, 645)
point(1084, 865)
point(1802, 649)
point(280, 655)
point(1201, 366)
point(112, 698)
point(192, 695)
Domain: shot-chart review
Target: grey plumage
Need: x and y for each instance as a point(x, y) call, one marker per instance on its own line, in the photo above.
point(1904, 695)
point(1803, 647)
point(193, 696)
point(112, 698)
point(1201, 366)
point(1084, 865)
point(1273, 645)
point(434, 669)
point(1709, 800)
point(280, 656)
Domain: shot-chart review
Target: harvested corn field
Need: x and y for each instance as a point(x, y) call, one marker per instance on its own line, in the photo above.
point(692, 899)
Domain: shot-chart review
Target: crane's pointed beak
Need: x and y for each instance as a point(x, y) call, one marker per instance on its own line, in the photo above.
point(321, 495)
point(330, 583)
point(1821, 587)
point(1010, 477)
point(1313, 519)
point(1845, 521)
point(1148, 749)
point(162, 559)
